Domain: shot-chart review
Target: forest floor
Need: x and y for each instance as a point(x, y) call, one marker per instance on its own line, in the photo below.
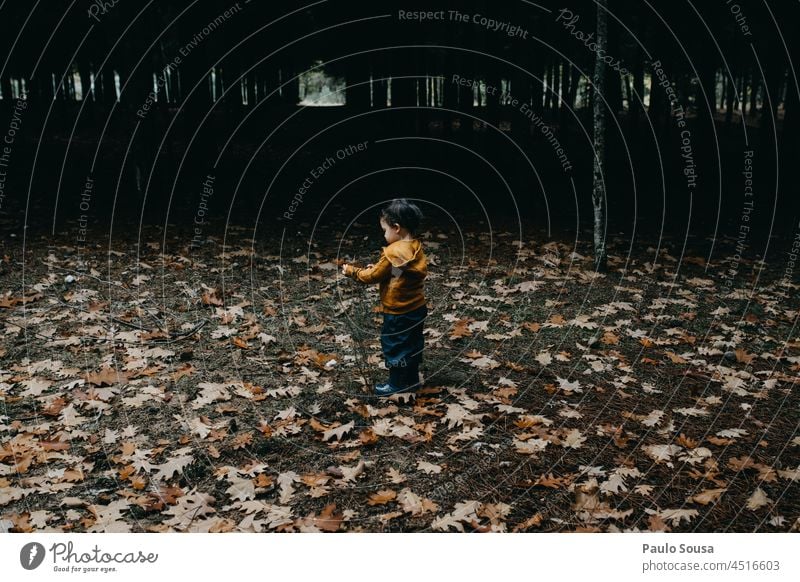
point(177, 389)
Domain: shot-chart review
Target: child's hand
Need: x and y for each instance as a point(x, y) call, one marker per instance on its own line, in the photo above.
point(346, 267)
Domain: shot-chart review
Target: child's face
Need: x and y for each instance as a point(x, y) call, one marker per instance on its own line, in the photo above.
point(390, 233)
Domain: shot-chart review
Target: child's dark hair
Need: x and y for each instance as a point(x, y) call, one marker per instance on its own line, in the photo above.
point(401, 211)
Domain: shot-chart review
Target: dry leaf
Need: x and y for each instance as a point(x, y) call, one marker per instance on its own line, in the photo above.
point(329, 520)
point(414, 504)
point(661, 453)
point(678, 515)
point(465, 512)
point(382, 497)
point(395, 476)
point(533, 521)
point(758, 500)
point(573, 440)
point(610, 339)
point(708, 496)
point(286, 483)
point(105, 377)
point(368, 437)
point(429, 468)
point(338, 432)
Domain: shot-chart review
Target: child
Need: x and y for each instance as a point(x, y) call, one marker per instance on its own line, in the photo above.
point(401, 271)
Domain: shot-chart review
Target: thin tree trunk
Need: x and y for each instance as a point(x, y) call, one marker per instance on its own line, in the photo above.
point(754, 93)
point(558, 88)
point(628, 93)
point(598, 191)
point(730, 85)
point(743, 93)
point(566, 77)
point(379, 82)
point(573, 86)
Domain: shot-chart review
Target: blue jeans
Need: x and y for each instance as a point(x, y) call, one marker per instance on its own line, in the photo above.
point(401, 338)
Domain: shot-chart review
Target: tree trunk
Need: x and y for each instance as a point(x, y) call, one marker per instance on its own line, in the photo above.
point(573, 86)
point(628, 93)
point(548, 96)
point(566, 87)
point(598, 191)
point(378, 70)
point(754, 93)
point(730, 86)
point(558, 88)
point(743, 93)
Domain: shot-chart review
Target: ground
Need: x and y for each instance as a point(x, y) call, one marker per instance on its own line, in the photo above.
point(227, 387)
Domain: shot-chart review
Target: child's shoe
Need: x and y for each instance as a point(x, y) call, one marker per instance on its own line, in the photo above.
point(397, 383)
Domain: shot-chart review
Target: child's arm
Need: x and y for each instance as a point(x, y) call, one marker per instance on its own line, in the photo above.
point(374, 274)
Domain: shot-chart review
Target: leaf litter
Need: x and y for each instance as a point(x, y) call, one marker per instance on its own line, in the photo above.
point(558, 399)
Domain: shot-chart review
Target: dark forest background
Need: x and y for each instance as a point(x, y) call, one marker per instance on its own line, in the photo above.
point(230, 110)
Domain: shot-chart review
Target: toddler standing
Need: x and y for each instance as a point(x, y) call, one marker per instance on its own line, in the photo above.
point(400, 272)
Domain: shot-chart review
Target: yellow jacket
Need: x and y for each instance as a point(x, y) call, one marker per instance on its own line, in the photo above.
point(401, 272)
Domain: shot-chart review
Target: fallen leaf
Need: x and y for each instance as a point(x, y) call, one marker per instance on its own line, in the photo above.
point(610, 339)
point(758, 500)
point(460, 329)
point(329, 520)
point(382, 497)
point(211, 298)
point(678, 515)
point(533, 521)
point(286, 483)
point(661, 453)
point(414, 504)
point(338, 432)
point(573, 440)
point(368, 437)
point(106, 376)
point(708, 496)
point(429, 468)
point(395, 476)
point(732, 433)
point(464, 512)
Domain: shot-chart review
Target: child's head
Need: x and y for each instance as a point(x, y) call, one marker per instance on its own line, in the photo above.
point(398, 218)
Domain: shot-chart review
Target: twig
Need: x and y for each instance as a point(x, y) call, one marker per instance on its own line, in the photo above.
point(175, 338)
